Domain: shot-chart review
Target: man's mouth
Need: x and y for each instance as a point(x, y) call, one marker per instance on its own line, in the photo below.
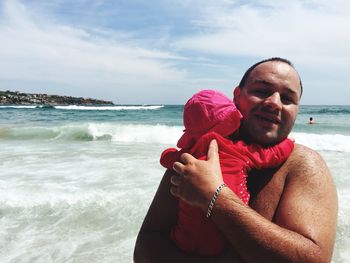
point(268, 118)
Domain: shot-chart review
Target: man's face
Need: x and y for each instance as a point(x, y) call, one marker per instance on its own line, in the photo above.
point(269, 103)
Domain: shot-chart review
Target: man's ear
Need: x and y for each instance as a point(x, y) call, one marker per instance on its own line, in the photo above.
point(236, 94)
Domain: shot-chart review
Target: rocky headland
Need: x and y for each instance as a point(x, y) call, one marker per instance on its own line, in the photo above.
point(19, 98)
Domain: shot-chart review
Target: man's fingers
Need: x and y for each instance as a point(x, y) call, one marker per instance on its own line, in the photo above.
point(175, 180)
point(213, 151)
point(186, 158)
point(174, 191)
point(179, 167)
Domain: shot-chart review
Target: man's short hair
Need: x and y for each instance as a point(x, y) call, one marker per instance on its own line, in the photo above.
point(249, 70)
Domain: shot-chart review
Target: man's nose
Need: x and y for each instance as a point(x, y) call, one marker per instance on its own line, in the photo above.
point(273, 102)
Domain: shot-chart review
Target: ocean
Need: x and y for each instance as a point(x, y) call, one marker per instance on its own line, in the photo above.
point(76, 182)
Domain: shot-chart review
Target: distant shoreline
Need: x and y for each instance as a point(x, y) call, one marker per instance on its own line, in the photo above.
point(19, 98)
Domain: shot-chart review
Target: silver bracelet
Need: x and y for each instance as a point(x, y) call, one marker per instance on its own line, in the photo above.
point(213, 199)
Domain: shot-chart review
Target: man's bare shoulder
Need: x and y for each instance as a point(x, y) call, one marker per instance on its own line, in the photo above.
point(306, 163)
point(305, 153)
point(307, 173)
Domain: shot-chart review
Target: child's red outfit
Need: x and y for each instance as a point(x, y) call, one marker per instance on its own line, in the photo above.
point(194, 232)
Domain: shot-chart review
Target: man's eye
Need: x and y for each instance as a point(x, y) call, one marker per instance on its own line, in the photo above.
point(260, 92)
point(288, 100)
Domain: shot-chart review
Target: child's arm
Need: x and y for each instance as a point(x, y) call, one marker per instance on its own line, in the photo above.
point(199, 150)
point(169, 156)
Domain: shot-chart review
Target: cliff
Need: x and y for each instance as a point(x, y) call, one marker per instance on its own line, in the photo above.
point(18, 98)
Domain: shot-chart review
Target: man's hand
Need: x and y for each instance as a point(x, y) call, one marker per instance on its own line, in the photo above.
point(197, 180)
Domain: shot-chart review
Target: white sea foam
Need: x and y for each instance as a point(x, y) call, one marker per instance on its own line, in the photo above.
point(18, 107)
point(74, 202)
point(145, 133)
point(324, 142)
point(117, 108)
point(53, 198)
point(342, 252)
point(76, 107)
point(161, 134)
point(127, 133)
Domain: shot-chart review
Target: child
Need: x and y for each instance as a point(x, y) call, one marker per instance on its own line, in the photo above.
point(211, 115)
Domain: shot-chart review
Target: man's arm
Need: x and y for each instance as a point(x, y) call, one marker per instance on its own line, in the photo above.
point(304, 222)
point(153, 243)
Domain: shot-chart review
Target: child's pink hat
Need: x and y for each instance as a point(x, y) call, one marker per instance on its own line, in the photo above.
point(206, 111)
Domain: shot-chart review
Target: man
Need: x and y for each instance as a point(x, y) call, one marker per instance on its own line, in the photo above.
point(293, 210)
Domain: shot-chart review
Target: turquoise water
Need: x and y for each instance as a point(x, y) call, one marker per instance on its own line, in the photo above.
point(76, 182)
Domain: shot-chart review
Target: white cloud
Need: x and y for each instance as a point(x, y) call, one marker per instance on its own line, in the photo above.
point(34, 49)
point(309, 32)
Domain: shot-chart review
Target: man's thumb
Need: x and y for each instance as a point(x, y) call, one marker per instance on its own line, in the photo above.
point(213, 150)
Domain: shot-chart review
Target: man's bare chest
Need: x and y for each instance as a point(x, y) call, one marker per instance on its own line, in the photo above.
point(266, 188)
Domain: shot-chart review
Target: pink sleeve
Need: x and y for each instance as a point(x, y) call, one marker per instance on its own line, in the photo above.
point(169, 156)
point(199, 150)
point(271, 156)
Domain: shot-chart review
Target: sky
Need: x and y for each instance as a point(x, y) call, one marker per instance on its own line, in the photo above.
point(162, 51)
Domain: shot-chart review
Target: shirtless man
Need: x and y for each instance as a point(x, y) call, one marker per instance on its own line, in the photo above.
point(293, 210)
